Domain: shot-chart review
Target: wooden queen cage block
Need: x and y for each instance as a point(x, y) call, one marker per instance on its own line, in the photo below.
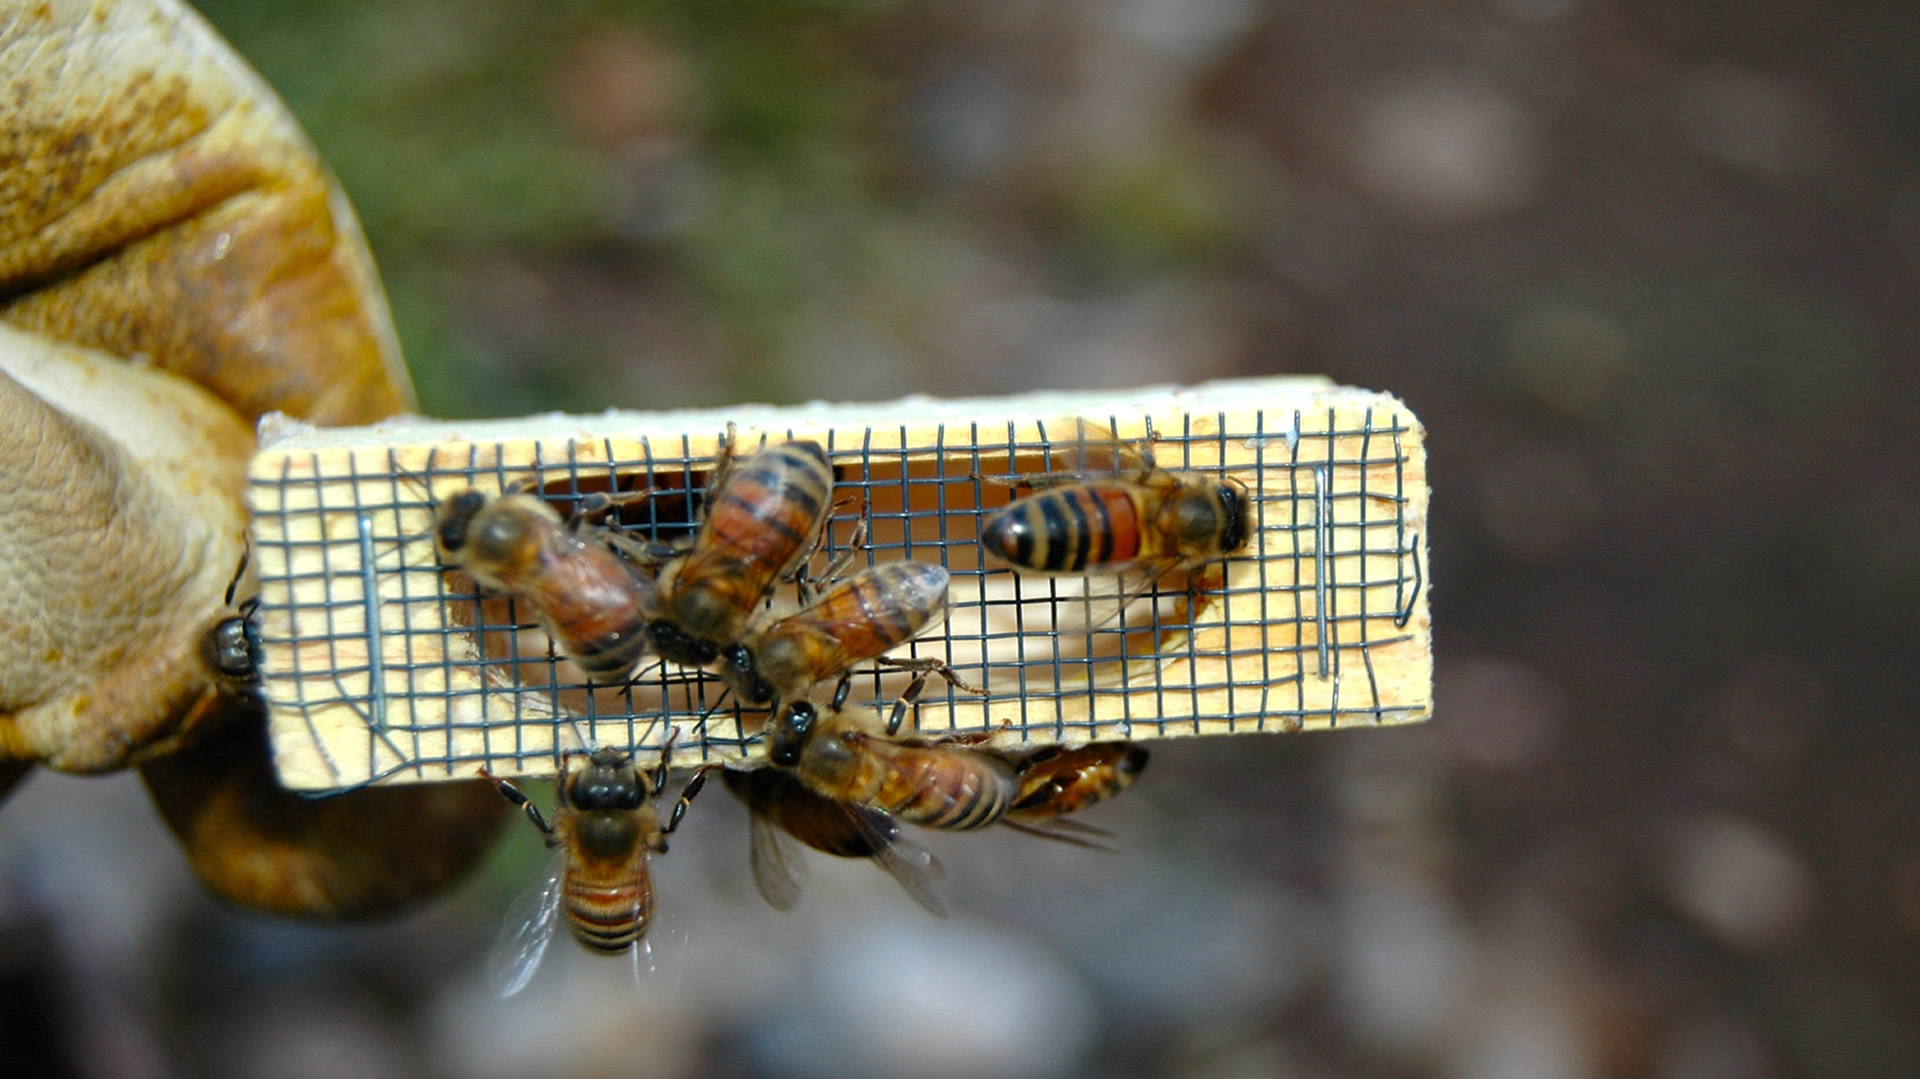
point(379, 664)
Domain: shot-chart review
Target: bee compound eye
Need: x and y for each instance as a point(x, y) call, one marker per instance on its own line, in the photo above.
point(228, 649)
point(1234, 513)
point(455, 515)
point(788, 732)
point(605, 792)
point(739, 658)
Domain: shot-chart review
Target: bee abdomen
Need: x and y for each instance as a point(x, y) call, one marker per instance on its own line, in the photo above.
point(608, 919)
point(1055, 781)
point(898, 600)
point(960, 796)
point(773, 500)
point(611, 655)
point(1067, 529)
point(939, 810)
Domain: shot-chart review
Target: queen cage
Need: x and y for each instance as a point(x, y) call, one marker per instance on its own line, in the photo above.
point(380, 664)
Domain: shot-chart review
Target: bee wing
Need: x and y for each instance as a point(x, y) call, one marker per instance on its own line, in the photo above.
point(1094, 449)
point(843, 620)
point(779, 870)
point(591, 582)
point(524, 938)
point(905, 859)
point(1086, 604)
point(657, 969)
point(573, 564)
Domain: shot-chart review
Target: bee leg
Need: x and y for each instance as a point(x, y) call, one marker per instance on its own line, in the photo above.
point(974, 738)
point(519, 797)
point(801, 574)
point(1144, 445)
point(1059, 830)
point(925, 665)
point(841, 690)
point(904, 702)
point(659, 779)
point(932, 665)
point(647, 554)
point(1196, 592)
point(596, 514)
point(1204, 577)
point(1039, 756)
point(593, 507)
point(723, 458)
point(1032, 481)
point(687, 792)
point(855, 543)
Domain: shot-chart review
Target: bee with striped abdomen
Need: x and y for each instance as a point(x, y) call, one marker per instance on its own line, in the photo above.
point(780, 802)
point(590, 601)
point(857, 620)
point(1056, 780)
point(1115, 511)
point(603, 830)
point(764, 517)
point(937, 784)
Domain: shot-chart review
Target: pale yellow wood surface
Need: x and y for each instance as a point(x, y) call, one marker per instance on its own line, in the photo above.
point(373, 672)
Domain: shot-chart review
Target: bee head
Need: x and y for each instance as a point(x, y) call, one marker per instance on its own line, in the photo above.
point(673, 644)
point(745, 672)
point(1234, 514)
point(229, 647)
point(607, 782)
point(789, 732)
point(455, 514)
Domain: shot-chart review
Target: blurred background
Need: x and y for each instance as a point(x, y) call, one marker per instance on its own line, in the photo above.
point(1645, 270)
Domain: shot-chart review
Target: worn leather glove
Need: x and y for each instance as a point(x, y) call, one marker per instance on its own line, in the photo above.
point(175, 262)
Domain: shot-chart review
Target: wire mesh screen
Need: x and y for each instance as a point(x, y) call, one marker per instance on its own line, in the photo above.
point(381, 663)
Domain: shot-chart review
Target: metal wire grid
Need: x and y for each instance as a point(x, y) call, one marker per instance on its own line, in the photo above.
point(1331, 573)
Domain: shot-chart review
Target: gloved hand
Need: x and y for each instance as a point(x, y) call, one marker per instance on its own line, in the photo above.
point(174, 262)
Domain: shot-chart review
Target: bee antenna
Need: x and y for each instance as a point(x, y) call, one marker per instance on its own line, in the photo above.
point(645, 671)
point(701, 726)
point(239, 571)
point(425, 483)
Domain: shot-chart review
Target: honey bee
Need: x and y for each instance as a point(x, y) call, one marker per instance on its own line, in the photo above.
point(1117, 511)
point(779, 802)
point(604, 828)
point(937, 784)
point(590, 601)
point(764, 517)
point(231, 646)
point(1056, 780)
point(858, 619)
